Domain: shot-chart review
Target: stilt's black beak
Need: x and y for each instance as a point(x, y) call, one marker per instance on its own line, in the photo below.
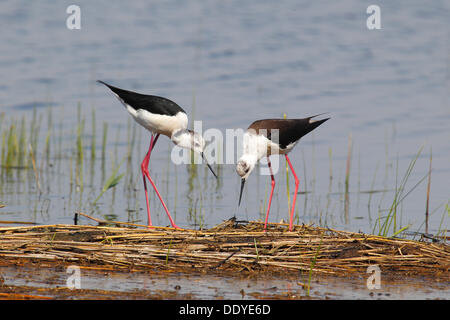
point(242, 188)
point(209, 166)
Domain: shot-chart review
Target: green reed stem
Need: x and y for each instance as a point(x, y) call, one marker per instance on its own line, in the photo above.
point(22, 145)
point(427, 207)
point(313, 263)
point(112, 181)
point(287, 180)
point(94, 131)
point(398, 197)
point(33, 162)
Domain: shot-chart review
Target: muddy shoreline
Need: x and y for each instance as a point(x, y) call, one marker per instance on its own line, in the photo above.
point(229, 261)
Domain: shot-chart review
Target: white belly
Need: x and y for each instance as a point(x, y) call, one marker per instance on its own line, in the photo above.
point(259, 145)
point(158, 123)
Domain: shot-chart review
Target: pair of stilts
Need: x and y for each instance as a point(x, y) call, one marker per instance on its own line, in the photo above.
point(263, 138)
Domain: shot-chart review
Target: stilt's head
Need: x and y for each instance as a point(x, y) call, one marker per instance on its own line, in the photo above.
point(191, 140)
point(244, 167)
point(188, 139)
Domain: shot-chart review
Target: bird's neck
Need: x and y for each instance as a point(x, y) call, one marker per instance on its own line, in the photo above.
point(178, 132)
point(255, 146)
point(250, 158)
point(179, 135)
point(182, 138)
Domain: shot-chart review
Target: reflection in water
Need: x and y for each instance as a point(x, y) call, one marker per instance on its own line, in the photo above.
point(346, 207)
point(137, 285)
point(347, 178)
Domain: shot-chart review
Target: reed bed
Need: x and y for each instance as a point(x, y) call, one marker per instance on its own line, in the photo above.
point(230, 247)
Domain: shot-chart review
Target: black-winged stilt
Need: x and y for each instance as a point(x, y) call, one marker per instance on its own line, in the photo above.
point(273, 136)
point(160, 116)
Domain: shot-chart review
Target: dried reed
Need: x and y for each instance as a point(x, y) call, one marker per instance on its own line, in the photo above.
point(228, 247)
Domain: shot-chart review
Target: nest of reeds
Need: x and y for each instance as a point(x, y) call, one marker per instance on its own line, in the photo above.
point(230, 247)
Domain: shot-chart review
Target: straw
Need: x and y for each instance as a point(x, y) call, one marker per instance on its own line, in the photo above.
point(226, 248)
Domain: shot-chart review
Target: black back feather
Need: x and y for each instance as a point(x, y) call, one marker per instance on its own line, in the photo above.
point(290, 130)
point(153, 104)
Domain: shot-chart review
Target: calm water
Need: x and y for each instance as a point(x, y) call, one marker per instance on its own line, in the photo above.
point(229, 63)
point(218, 287)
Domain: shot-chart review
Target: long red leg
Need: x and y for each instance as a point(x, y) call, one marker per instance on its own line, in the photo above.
point(144, 165)
point(271, 193)
point(295, 192)
point(147, 174)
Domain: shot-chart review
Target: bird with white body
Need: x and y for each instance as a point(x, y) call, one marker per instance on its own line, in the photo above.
point(273, 136)
point(159, 115)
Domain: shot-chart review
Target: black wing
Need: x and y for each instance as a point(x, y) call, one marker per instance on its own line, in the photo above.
point(290, 130)
point(153, 104)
